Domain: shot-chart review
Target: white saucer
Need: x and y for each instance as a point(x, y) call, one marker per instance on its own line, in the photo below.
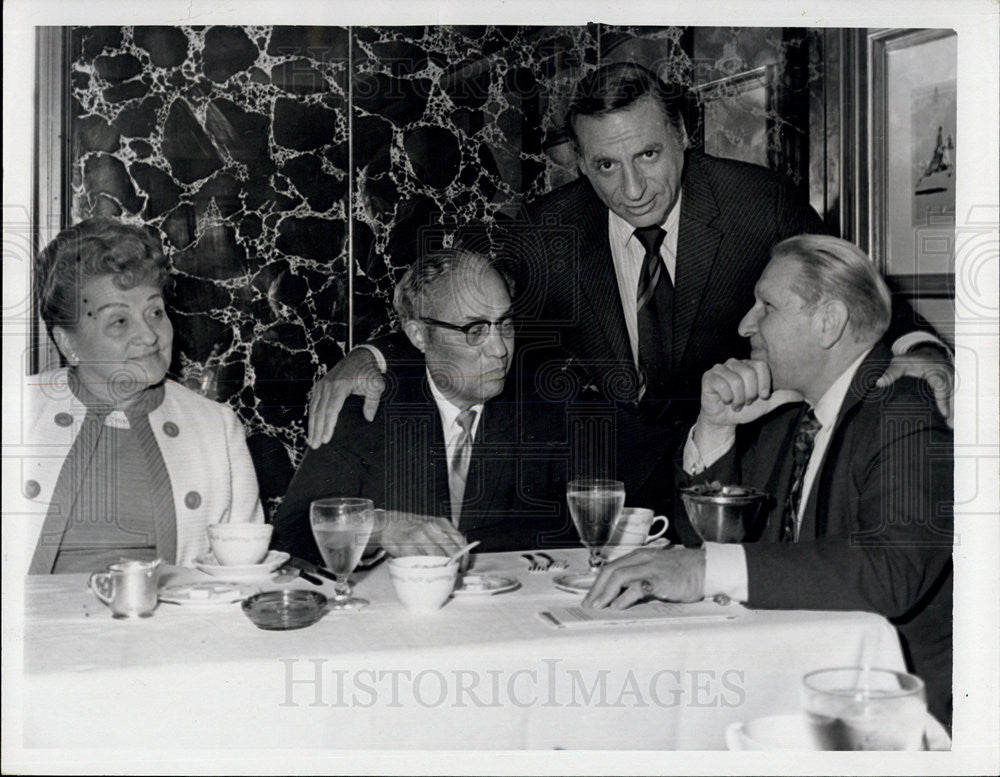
point(367, 562)
point(275, 558)
point(615, 552)
point(575, 583)
point(485, 585)
point(208, 594)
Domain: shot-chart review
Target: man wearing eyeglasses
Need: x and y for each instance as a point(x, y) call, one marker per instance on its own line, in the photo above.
point(455, 453)
point(636, 276)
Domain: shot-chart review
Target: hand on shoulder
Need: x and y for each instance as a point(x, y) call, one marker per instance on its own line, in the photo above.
point(357, 373)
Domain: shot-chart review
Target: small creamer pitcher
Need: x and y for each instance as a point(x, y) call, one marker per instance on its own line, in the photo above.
point(129, 588)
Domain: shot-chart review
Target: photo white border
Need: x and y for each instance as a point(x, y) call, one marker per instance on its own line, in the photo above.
point(977, 579)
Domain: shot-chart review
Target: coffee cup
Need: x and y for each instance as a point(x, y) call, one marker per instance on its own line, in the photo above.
point(423, 583)
point(239, 544)
point(774, 732)
point(635, 527)
point(129, 588)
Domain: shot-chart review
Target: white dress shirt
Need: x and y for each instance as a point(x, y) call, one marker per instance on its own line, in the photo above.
point(449, 420)
point(725, 564)
point(627, 254)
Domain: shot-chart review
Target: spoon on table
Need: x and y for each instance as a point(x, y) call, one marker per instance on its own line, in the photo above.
point(452, 558)
point(458, 554)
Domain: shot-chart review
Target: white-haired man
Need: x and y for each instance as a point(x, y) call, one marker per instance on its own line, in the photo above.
point(636, 274)
point(454, 453)
point(860, 475)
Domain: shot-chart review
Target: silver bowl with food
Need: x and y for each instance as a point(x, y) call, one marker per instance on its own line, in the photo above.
point(720, 513)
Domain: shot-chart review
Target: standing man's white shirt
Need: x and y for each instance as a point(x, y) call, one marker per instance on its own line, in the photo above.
point(627, 253)
point(725, 564)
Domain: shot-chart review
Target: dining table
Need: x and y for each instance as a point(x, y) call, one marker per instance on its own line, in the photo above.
point(488, 671)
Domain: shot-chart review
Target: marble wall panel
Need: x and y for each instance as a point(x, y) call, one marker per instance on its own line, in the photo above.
point(449, 125)
point(293, 172)
point(232, 142)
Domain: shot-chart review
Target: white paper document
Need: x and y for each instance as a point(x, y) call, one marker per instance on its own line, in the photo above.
point(649, 612)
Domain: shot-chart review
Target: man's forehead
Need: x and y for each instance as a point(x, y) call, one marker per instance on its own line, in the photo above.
point(645, 116)
point(778, 278)
point(477, 293)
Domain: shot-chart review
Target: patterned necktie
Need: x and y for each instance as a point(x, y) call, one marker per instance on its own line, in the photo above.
point(654, 310)
point(805, 435)
point(458, 469)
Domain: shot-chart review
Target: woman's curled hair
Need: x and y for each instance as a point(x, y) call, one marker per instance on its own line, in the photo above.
point(98, 246)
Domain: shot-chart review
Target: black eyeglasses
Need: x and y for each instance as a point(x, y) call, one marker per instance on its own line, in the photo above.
point(476, 332)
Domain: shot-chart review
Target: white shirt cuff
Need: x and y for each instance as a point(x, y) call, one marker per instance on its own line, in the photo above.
point(695, 462)
point(726, 571)
point(912, 339)
point(376, 353)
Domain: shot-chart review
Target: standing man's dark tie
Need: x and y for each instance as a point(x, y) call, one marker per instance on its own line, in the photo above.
point(805, 435)
point(654, 309)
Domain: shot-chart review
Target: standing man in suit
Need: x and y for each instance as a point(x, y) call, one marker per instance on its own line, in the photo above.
point(452, 454)
point(634, 276)
point(642, 266)
point(860, 475)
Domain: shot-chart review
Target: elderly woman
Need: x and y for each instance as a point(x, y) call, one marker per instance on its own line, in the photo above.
point(134, 464)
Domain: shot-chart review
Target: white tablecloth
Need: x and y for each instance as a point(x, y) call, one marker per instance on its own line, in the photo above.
point(483, 672)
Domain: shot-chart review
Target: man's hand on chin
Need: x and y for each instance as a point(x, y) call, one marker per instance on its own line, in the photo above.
point(675, 574)
point(736, 392)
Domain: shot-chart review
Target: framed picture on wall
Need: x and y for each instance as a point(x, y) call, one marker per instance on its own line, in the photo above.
point(914, 144)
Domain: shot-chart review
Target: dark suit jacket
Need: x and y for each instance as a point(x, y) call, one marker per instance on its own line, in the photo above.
point(876, 532)
point(573, 340)
point(566, 290)
point(732, 213)
point(515, 493)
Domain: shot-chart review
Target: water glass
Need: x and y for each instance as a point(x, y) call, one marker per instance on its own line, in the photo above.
point(341, 527)
point(858, 708)
point(594, 505)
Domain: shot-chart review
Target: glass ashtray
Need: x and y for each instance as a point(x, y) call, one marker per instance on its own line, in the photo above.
point(285, 610)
